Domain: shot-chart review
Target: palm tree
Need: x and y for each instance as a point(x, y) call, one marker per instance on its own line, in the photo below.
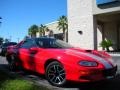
point(33, 30)
point(42, 30)
point(63, 25)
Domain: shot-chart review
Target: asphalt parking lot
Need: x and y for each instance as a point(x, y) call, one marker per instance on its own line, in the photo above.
point(113, 84)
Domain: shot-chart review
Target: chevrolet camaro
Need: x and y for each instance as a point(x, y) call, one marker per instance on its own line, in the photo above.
point(61, 62)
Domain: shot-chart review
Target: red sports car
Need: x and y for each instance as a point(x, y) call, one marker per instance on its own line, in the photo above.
point(60, 62)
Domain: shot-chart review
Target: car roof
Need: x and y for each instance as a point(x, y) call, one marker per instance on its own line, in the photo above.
point(44, 38)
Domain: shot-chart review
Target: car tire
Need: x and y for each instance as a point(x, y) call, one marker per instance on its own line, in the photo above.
point(12, 63)
point(55, 74)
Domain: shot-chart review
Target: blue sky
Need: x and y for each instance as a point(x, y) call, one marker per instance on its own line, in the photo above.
point(19, 15)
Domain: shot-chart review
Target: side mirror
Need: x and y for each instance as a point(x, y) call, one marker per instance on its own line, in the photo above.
point(34, 50)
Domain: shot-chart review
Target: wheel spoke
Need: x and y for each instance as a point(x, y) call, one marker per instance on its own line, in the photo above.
point(51, 71)
point(51, 74)
point(56, 80)
point(54, 68)
point(61, 77)
point(62, 74)
point(59, 80)
point(57, 68)
point(53, 78)
point(61, 71)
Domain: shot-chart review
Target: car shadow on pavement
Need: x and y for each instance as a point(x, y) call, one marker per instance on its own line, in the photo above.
point(4, 67)
point(113, 84)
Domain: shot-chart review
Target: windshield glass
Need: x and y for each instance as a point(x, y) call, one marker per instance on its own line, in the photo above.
point(52, 43)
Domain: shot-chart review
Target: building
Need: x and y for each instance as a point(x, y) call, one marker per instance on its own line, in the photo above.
point(91, 21)
point(53, 27)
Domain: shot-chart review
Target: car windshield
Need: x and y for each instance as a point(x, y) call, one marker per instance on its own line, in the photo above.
point(52, 43)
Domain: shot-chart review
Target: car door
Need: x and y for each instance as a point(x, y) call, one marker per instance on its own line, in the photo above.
point(26, 56)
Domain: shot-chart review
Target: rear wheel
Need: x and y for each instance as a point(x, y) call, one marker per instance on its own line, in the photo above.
point(12, 63)
point(55, 74)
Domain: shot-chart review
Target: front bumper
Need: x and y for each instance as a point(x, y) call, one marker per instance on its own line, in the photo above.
point(110, 72)
point(92, 75)
point(101, 75)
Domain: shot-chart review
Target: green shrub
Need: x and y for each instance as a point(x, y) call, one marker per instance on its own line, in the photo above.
point(106, 44)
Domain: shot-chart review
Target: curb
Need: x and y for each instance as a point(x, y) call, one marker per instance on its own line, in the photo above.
point(118, 55)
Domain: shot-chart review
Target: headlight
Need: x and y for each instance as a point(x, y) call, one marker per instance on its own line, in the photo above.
point(88, 63)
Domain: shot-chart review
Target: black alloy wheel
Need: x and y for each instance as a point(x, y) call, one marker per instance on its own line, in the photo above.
point(12, 63)
point(55, 74)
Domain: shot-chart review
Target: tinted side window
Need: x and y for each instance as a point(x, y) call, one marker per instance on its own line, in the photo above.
point(28, 44)
point(44, 43)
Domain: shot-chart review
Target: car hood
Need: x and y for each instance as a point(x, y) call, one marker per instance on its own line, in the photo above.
point(81, 53)
point(94, 55)
point(87, 53)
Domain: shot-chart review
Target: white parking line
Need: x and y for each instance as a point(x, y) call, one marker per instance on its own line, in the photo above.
point(114, 54)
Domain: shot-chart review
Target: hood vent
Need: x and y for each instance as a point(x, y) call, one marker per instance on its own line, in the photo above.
point(88, 50)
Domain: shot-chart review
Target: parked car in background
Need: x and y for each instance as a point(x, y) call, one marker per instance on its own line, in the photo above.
point(0, 49)
point(4, 46)
point(61, 62)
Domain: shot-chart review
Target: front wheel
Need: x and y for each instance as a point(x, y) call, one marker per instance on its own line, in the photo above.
point(55, 74)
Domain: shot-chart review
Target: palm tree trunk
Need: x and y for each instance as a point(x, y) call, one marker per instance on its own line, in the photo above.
point(34, 35)
point(40, 34)
point(43, 33)
point(64, 35)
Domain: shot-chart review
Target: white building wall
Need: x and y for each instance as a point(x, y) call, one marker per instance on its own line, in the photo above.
point(54, 27)
point(99, 36)
point(80, 18)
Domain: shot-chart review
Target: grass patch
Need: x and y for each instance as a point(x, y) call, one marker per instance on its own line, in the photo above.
point(8, 83)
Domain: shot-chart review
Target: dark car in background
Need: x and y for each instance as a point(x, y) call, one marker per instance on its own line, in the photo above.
point(4, 46)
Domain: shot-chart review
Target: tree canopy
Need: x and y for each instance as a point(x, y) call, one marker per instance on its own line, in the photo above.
point(33, 30)
point(63, 25)
point(42, 30)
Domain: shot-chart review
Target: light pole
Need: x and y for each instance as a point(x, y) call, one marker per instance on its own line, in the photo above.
point(10, 38)
point(18, 39)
